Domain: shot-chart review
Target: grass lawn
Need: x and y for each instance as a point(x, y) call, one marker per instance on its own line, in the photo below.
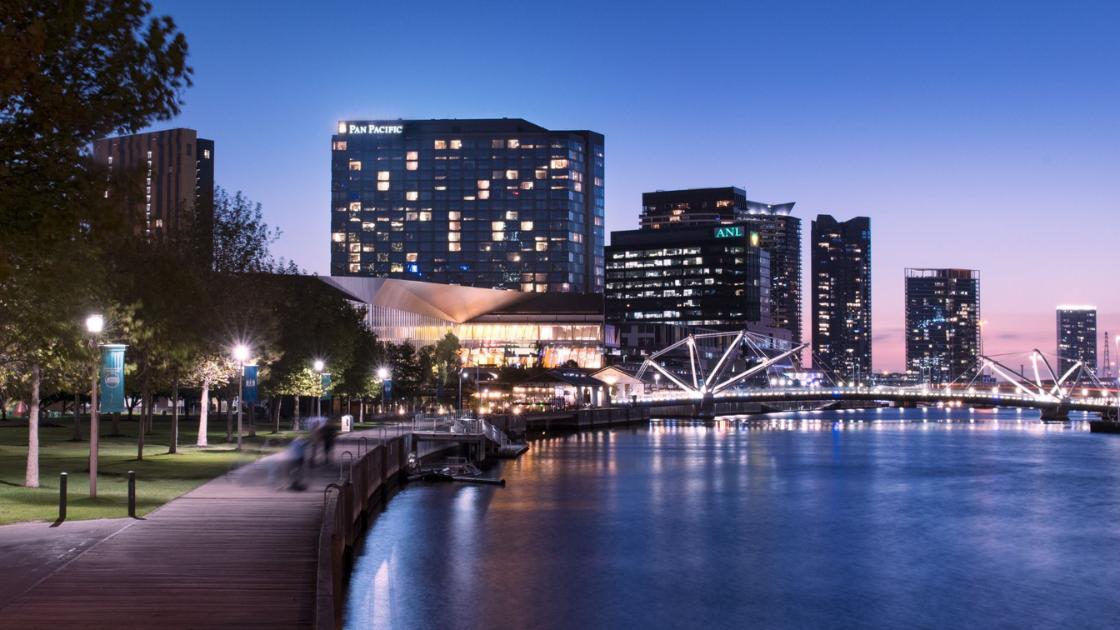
point(160, 477)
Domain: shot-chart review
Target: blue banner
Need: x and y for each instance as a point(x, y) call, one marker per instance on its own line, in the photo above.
point(112, 378)
point(250, 376)
point(387, 388)
point(325, 381)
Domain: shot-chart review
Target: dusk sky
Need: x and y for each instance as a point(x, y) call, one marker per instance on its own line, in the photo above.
point(973, 136)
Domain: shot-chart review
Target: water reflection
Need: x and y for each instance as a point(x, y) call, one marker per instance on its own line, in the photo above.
point(891, 518)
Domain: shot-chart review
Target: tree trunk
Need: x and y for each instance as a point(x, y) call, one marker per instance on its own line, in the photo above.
point(203, 412)
point(145, 407)
point(229, 420)
point(295, 415)
point(77, 437)
point(31, 479)
point(361, 410)
point(275, 410)
point(173, 441)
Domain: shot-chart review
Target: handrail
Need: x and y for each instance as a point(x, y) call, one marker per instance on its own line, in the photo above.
point(340, 464)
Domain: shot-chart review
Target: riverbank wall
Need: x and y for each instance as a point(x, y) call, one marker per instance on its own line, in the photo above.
point(349, 508)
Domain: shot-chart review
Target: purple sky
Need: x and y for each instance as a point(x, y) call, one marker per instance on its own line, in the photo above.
point(973, 136)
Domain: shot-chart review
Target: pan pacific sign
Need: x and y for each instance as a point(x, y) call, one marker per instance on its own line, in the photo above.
point(375, 128)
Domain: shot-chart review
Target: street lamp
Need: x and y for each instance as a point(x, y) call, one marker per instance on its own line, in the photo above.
point(462, 375)
point(94, 325)
point(241, 355)
point(319, 367)
point(383, 375)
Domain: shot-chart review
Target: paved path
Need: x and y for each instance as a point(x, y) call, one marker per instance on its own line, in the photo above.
point(237, 552)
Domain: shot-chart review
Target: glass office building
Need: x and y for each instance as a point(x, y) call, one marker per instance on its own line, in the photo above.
point(1077, 337)
point(841, 285)
point(714, 276)
point(778, 230)
point(499, 203)
point(942, 323)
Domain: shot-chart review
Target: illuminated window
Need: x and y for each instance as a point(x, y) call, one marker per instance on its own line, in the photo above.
point(496, 144)
point(368, 226)
point(468, 197)
point(398, 247)
point(440, 187)
point(526, 185)
point(453, 237)
point(410, 257)
point(453, 225)
point(511, 174)
point(484, 194)
point(542, 246)
point(411, 195)
point(426, 216)
point(355, 267)
point(511, 215)
point(412, 155)
point(337, 145)
point(526, 225)
point(383, 185)
point(456, 144)
point(497, 226)
point(411, 166)
point(497, 236)
point(440, 144)
point(355, 206)
point(540, 173)
point(355, 247)
point(206, 153)
point(558, 163)
point(454, 247)
point(410, 216)
point(513, 257)
point(513, 143)
point(453, 215)
point(382, 176)
point(339, 237)
point(483, 184)
point(355, 165)
point(396, 268)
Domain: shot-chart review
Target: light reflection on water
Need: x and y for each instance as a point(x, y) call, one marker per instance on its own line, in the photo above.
point(892, 518)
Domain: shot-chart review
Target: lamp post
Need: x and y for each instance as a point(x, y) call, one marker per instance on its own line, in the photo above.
point(383, 375)
point(94, 325)
point(319, 367)
point(241, 355)
point(462, 375)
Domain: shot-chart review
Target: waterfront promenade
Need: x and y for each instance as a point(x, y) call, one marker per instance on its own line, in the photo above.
point(237, 552)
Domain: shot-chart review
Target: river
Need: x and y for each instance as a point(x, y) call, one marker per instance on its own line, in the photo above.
point(909, 519)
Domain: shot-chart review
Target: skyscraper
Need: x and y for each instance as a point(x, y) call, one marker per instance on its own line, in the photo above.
point(942, 323)
point(779, 233)
point(176, 169)
point(499, 203)
point(841, 285)
point(1077, 337)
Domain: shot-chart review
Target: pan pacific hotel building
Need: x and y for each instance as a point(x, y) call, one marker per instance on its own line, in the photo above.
point(493, 203)
point(490, 228)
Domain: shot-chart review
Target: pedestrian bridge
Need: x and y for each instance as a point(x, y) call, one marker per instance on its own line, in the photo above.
point(741, 367)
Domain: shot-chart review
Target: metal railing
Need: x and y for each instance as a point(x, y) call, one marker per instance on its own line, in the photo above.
point(458, 425)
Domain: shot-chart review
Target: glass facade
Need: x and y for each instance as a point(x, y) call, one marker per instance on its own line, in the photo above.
point(841, 285)
point(942, 323)
point(779, 233)
point(1077, 337)
point(489, 203)
point(713, 276)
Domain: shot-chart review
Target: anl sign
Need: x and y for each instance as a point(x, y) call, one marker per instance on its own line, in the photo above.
point(730, 231)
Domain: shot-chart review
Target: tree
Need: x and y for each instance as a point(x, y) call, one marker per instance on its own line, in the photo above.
point(70, 72)
point(209, 371)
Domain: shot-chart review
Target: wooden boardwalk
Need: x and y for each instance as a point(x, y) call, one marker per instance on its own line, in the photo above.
point(237, 552)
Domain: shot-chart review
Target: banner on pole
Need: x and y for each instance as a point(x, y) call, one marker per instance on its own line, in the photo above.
point(325, 381)
point(112, 378)
point(250, 385)
point(387, 387)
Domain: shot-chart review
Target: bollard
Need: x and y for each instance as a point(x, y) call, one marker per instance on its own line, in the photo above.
point(132, 493)
point(62, 479)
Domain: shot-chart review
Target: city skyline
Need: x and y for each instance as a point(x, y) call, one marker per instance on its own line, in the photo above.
point(919, 140)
